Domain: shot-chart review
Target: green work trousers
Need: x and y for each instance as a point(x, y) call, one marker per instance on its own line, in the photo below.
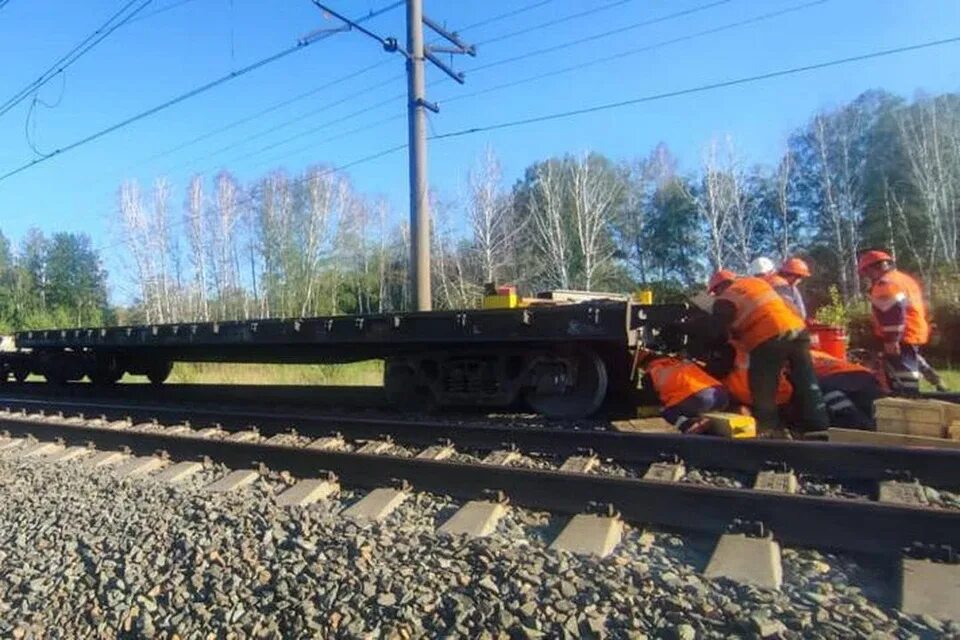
point(766, 361)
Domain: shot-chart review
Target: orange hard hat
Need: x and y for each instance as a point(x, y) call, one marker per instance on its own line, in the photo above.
point(795, 267)
point(719, 278)
point(871, 258)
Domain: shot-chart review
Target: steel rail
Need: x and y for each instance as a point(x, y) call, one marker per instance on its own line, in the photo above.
point(845, 462)
point(825, 523)
point(301, 395)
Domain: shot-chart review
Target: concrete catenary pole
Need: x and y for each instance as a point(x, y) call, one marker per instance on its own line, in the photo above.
point(419, 202)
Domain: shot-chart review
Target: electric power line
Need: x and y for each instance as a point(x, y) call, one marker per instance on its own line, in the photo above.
point(286, 102)
point(172, 5)
point(555, 21)
point(274, 107)
point(629, 52)
point(323, 107)
point(386, 101)
point(650, 47)
point(693, 90)
point(76, 53)
point(3, 3)
point(299, 46)
point(603, 34)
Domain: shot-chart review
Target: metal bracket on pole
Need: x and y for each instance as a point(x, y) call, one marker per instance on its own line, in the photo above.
point(429, 106)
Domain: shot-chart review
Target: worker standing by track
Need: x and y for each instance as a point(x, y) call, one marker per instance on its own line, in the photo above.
point(900, 322)
point(737, 380)
point(764, 269)
point(685, 390)
point(793, 270)
point(749, 311)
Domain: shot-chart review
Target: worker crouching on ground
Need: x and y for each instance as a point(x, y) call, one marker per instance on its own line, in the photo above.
point(750, 312)
point(685, 390)
point(763, 268)
point(849, 390)
point(900, 321)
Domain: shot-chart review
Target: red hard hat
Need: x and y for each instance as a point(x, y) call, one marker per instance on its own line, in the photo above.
point(871, 258)
point(795, 267)
point(719, 278)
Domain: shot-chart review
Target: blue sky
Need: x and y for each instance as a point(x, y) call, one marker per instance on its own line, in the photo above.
point(194, 41)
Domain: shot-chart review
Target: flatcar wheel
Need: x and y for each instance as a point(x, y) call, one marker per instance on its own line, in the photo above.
point(106, 371)
point(20, 374)
point(401, 388)
point(579, 400)
point(158, 372)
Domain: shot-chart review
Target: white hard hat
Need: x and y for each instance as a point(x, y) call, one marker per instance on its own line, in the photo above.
point(761, 266)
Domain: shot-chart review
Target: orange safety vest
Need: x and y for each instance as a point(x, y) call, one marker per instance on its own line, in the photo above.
point(761, 314)
point(676, 380)
point(896, 287)
point(737, 381)
point(825, 365)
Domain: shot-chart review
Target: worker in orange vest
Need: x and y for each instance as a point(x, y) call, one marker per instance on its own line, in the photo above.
point(736, 379)
point(685, 390)
point(793, 270)
point(749, 311)
point(763, 268)
point(849, 390)
point(899, 321)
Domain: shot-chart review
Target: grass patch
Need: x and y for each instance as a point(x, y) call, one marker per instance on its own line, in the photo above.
point(951, 378)
point(368, 373)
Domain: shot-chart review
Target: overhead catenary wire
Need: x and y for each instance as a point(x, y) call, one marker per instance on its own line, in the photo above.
point(543, 75)
point(77, 52)
point(326, 106)
point(553, 22)
point(539, 76)
point(299, 46)
point(386, 101)
point(277, 106)
point(158, 11)
point(694, 90)
point(604, 34)
point(349, 76)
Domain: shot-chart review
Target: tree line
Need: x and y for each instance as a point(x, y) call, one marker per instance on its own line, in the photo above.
point(51, 281)
point(880, 171)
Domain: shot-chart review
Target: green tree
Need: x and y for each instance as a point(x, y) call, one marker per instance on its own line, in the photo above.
point(75, 286)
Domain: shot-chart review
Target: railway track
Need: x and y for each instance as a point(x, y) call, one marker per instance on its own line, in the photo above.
point(839, 524)
point(848, 463)
point(471, 463)
point(291, 395)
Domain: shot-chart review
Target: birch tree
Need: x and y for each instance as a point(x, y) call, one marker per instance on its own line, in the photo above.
point(489, 211)
point(546, 206)
point(930, 138)
point(595, 194)
point(197, 241)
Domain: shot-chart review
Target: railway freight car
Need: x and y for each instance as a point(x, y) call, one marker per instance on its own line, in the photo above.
point(564, 354)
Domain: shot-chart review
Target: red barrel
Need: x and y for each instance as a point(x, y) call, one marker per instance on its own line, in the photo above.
point(832, 340)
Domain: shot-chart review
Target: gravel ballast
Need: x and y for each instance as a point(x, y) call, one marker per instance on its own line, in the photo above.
point(84, 555)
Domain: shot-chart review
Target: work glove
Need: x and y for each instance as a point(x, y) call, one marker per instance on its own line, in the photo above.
point(891, 348)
